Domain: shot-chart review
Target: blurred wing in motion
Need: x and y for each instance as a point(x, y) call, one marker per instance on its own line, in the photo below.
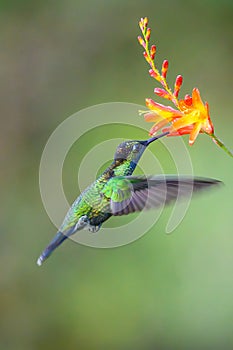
point(131, 194)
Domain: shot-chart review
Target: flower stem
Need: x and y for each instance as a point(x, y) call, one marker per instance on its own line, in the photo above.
point(220, 144)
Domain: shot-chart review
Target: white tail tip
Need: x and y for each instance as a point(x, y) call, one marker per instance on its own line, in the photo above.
point(39, 261)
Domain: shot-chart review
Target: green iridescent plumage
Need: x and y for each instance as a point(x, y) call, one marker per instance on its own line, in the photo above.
point(95, 200)
point(116, 192)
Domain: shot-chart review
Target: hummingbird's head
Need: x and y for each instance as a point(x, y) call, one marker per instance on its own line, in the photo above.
point(133, 150)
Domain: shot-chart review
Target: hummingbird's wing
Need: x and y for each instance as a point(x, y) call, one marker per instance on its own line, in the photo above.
point(129, 194)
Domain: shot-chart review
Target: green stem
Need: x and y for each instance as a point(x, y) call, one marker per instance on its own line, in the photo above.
point(220, 144)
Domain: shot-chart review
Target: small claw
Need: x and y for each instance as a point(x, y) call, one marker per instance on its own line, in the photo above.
point(94, 229)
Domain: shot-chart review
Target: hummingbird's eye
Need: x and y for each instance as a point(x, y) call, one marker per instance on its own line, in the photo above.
point(136, 147)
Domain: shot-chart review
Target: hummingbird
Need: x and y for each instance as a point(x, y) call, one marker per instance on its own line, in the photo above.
point(117, 192)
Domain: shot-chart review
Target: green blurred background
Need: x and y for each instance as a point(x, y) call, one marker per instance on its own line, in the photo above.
point(162, 291)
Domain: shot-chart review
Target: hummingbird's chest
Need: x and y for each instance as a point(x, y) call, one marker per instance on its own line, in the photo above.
point(95, 198)
point(95, 205)
point(93, 202)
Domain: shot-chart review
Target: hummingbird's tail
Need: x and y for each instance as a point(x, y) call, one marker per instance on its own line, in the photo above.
point(57, 240)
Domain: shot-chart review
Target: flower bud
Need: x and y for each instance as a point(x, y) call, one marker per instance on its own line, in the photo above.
point(148, 34)
point(141, 41)
point(164, 68)
point(178, 83)
point(152, 51)
point(162, 93)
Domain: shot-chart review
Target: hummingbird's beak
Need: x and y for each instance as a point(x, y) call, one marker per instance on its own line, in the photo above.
point(152, 139)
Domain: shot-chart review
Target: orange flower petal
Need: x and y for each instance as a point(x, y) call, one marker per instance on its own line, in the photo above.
point(158, 126)
point(165, 111)
point(152, 117)
point(186, 120)
point(197, 101)
point(194, 133)
point(182, 131)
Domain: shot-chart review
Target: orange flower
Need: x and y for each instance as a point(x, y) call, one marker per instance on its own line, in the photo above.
point(191, 115)
point(160, 114)
point(191, 118)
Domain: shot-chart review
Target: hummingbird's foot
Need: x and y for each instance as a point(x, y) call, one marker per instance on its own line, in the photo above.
point(93, 229)
point(82, 222)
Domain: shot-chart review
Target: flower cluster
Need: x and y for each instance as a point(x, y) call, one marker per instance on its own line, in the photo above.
point(191, 115)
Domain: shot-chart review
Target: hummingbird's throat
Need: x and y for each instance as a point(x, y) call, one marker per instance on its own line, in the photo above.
point(124, 167)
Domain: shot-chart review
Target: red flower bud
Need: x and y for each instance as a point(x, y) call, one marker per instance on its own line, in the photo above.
point(178, 83)
point(152, 51)
point(153, 74)
point(164, 68)
point(146, 57)
point(148, 34)
point(162, 93)
point(188, 100)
